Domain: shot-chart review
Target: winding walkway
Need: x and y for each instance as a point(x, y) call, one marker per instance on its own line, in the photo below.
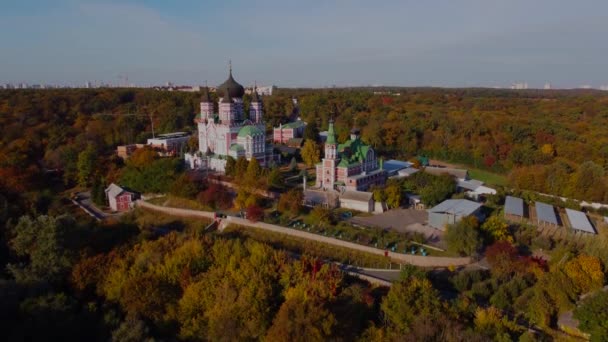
point(418, 260)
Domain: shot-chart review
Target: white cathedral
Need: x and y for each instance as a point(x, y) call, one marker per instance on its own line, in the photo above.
point(228, 132)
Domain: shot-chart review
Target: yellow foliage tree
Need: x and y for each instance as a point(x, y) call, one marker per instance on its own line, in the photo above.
point(586, 273)
point(491, 321)
point(310, 153)
point(496, 228)
point(488, 319)
point(547, 149)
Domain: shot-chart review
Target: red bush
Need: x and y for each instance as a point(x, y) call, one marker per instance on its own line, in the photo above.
point(503, 257)
point(216, 196)
point(489, 161)
point(255, 213)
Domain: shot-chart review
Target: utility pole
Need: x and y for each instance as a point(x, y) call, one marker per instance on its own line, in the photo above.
point(152, 124)
point(150, 116)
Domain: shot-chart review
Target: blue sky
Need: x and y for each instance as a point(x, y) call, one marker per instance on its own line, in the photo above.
point(306, 43)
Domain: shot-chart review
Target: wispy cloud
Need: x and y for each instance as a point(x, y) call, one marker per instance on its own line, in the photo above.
point(439, 42)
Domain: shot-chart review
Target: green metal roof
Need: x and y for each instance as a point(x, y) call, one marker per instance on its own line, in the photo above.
point(236, 147)
point(353, 151)
point(331, 134)
point(250, 130)
point(295, 124)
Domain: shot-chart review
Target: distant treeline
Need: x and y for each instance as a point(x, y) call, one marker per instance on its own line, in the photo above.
point(542, 138)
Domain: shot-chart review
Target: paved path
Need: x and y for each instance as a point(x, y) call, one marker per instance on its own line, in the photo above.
point(83, 200)
point(418, 260)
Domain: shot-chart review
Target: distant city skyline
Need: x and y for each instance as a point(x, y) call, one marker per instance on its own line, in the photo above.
point(310, 44)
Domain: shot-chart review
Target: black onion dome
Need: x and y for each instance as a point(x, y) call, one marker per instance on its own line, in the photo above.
point(227, 96)
point(233, 87)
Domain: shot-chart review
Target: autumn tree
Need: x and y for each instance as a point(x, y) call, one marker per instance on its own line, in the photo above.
point(132, 330)
point(98, 195)
point(48, 244)
point(393, 194)
point(86, 165)
point(410, 301)
point(319, 215)
point(156, 177)
point(233, 300)
point(310, 153)
point(490, 322)
point(142, 157)
point(496, 229)
point(504, 259)
point(592, 315)
point(184, 186)
point(255, 213)
point(290, 202)
point(311, 131)
point(379, 194)
point(230, 168)
point(586, 273)
point(148, 296)
point(218, 196)
point(240, 167)
point(275, 178)
point(463, 237)
point(253, 173)
point(301, 318)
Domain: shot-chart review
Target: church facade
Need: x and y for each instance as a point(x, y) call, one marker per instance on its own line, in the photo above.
point(229, 132)
point(351, 166)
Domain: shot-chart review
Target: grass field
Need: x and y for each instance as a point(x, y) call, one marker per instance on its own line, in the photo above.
point(488, 177)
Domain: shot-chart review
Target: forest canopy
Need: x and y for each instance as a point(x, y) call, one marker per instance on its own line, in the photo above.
point(554, 142)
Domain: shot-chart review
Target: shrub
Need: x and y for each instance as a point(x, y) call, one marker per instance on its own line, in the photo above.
point(593, 316)
point(255, 213)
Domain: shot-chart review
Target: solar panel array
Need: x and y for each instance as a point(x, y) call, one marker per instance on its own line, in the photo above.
point(579, 221)
point(545, 213)
point(514, 206)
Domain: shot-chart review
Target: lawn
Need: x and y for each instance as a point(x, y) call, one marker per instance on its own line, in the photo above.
point(488, 177)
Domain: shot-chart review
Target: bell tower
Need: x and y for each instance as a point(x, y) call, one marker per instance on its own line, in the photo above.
point(328, 177)
point(227, 109)
point(256, 111)
point(206, 105)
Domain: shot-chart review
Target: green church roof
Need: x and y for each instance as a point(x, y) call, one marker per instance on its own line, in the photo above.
point(295, 124)
point(353, 151)
point(331, 134)
point(236, 147)
point(250, 130)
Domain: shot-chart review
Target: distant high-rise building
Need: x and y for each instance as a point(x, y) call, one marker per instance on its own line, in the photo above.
point(520, 85)
point(547, 86)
